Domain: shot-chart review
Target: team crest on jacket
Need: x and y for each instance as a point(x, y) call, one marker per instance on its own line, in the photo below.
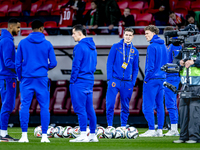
point(113, 84)
point(132, 51)
point(14, 85)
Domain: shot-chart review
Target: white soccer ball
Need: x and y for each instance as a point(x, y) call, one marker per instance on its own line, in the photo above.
point(38, 131)
point(109, 132)
point(119, 134)
point(76, 132)
point(131, 133)
point(67, 132)
point(100, 132)
point(58, 131)
point(50, 132)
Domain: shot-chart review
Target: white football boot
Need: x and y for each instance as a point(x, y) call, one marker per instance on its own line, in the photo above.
point(93, 138)
point(80, 139)
point(172, 133)
point(23, 140)
point(45, 139)
point(149, 133)
point(159, 133)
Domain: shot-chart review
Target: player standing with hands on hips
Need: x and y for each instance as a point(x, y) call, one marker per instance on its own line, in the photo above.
point(35, 56)
point(122, 70)
point(82, 81)
point(8, 76)
point(153, 89)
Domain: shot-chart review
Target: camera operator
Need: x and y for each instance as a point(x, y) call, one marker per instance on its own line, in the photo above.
point(174, 79)
point(189, 108)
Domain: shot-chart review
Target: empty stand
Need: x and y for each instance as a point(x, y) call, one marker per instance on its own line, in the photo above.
point(26, 32)
point(122, 5)
point(34, 7)
point(15, 10)
point(50, 24)
point(3, 25)
point(3, 10)
point(56, 9)
point(136, 7)
point(45, 9)
point(182, 7)
point(195, 6)
point(23, 24)
point(6, 2)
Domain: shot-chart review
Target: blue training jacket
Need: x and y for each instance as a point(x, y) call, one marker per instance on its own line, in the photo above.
point(84, 60)
point(172, 51)
point(35, 56)
point(156, 57)
point(7, 55)
point(115, 61)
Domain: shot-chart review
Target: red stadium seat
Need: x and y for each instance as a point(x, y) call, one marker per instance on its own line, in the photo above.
point(34, 7)
point(143, 20)
point(3, 10)
point(65, 110)
point(172, 4)
point(136, 7)
point(195, 6)
point(182, 7)
point(56, 9)
point(50, 24)
point(15, 10)
point(45, 9)
point(6, 2)
point(23, 24)
point(97, 99)
point(145, 7)
point(87, 7)
point(122, 5)
point(26, 32)
point(3, 25)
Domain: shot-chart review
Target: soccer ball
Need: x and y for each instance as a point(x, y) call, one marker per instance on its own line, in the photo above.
point(119, 133)
point(58, 131)
point(109, 132)
point(100, 132)
point(76, 132)
point(131, 133)
point(67, 132)
point(38, 131)
point(50, 131)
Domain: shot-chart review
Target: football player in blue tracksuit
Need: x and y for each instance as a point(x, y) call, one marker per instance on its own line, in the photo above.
point(7, 76)
point(35, 56)
point(153, 89)
point(170, 97)
point(82, 81)
point(122, 70)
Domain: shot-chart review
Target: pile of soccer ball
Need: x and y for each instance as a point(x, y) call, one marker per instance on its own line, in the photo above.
point(101, 132)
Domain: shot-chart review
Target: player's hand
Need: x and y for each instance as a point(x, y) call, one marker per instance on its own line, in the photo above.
point(90, 27)
point(188, 63)
point(123, 23)
point(95, 26)
point(74, 7)
point(110, 27)
point(162, 8)
point(182, 63)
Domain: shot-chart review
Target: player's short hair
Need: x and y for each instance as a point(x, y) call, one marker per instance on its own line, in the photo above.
point(79, 27)
point(36, 24)
point(129, 30)
point(152, 28)
point(13, 20)
point(127, 8)
point(169, 28)
point(94, 1)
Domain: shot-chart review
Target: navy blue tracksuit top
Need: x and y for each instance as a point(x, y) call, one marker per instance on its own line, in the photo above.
point(35, 56)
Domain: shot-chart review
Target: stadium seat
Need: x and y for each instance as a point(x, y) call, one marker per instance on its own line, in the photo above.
point(45, 9)
point(6, 2)
point(145, 7)
point(15, 10)
point(87, 7)
point(3, 10)
point(122, 5)
point(50, 24)
point(23, 24)
point(65, 108)
point(34, 7)
point(4, 25)
point(56, 10)
point(195, 6)
point(182, 7)
point(143, 20)
point(136, 7)
point(97, 99)
point(117, 108)
point(172, 4)
point(17, 104)
point(133, 102)
point(26, 32)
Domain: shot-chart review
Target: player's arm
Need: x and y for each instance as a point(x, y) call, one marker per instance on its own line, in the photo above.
point(135, 68)
point(18, 62)
point(8, 54)
point(52, 58)
point(150, 63)
point(110, 62)
point(76, 63)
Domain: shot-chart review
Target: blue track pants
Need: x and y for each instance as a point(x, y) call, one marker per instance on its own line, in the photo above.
point(8, 94)
point(39, 86)
point(153, 92)
point(82, 101)
point(125, 88)
point(170, 99)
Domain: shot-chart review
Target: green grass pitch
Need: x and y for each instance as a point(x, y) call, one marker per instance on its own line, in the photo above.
point(103, 144)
